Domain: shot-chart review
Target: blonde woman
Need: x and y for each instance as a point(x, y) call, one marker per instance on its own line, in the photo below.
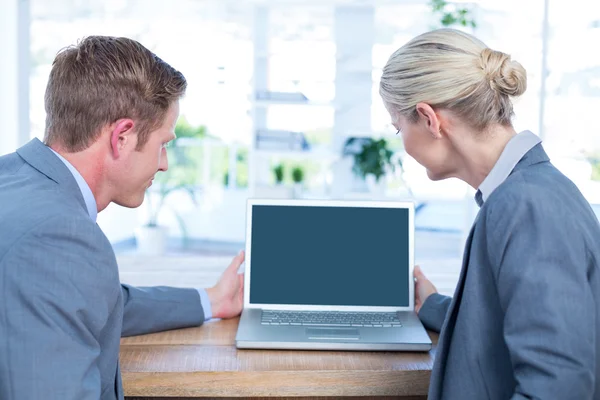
point(524, 322)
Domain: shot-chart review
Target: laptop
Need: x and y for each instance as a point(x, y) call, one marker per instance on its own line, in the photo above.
point(330, 275)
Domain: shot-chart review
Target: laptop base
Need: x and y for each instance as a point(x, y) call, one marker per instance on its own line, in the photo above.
point(411, 336)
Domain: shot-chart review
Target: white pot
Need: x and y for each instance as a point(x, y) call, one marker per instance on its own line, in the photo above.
point(377, 189)
point(274, 192)
point(151, 240)
point(298, 189)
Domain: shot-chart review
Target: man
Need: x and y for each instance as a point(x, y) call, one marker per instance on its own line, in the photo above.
point(111, 108)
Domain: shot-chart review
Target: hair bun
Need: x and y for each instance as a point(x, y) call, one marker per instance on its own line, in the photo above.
point(504, 75)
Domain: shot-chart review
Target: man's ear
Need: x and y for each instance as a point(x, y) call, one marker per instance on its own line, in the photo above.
point(121, 136)
point(428, 116)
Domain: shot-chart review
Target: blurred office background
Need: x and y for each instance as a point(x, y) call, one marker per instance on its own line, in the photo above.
point(283, 102)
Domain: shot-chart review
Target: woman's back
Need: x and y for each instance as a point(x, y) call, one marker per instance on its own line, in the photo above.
point(527, 307)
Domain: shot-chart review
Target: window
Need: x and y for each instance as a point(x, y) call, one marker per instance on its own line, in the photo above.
point(209, 43)
point(571, 129)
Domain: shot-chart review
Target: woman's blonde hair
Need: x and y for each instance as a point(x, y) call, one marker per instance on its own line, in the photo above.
point(450, 69)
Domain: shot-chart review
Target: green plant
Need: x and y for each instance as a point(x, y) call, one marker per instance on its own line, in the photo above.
point(226, 178)
point(298, 174)
point(183, 129)
point(594, 159)
point(242, 167)
point(374, 158)
point(279, 171)
point(452, 14)
point(596, 171)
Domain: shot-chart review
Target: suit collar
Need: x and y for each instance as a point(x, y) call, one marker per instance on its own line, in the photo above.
point(534, 156)
point(514, 151)
point(40, 157)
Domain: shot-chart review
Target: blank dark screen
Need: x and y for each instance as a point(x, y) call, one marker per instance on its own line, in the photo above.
point(347, 256)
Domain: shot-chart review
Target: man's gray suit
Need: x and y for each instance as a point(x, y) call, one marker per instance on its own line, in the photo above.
point(62, 307)
point(524, 322)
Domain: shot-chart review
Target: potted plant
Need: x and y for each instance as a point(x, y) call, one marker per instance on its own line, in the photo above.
point(298, 179)
point(279, 172)
point(226, 179)
point(151, 238)
point(277, 191)
point(372, 159)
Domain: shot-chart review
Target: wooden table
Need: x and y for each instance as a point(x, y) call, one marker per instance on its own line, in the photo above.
point(204, 363)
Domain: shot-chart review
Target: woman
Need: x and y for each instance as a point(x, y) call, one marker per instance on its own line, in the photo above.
point(524, 322)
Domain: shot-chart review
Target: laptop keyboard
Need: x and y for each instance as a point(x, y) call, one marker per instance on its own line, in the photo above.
point(335, 318)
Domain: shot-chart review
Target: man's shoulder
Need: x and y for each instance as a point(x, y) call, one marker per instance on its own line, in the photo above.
point(10, 163)
point(33, 205)
point(27, 202)
point(25, 190)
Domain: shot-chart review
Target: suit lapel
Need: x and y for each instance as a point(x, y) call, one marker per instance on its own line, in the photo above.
point(439, 366)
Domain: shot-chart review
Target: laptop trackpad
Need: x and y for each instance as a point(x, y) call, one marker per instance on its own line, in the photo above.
point(332, 333)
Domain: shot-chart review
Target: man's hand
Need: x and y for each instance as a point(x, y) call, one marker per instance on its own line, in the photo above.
point(423, 288)
point(227, 296)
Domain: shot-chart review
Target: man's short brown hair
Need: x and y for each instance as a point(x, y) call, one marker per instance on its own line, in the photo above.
point(101, 80)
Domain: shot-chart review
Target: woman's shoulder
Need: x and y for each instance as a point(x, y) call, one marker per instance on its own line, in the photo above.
point(540, 195)
point(536, 183)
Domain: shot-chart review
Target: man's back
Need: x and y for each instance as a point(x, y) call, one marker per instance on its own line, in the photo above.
point(111, 108)
point(61, 307)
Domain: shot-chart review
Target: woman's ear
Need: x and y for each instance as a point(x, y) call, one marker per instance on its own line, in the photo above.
point(429, 118)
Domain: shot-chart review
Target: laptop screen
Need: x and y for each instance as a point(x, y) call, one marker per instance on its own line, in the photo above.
point(316, 255)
